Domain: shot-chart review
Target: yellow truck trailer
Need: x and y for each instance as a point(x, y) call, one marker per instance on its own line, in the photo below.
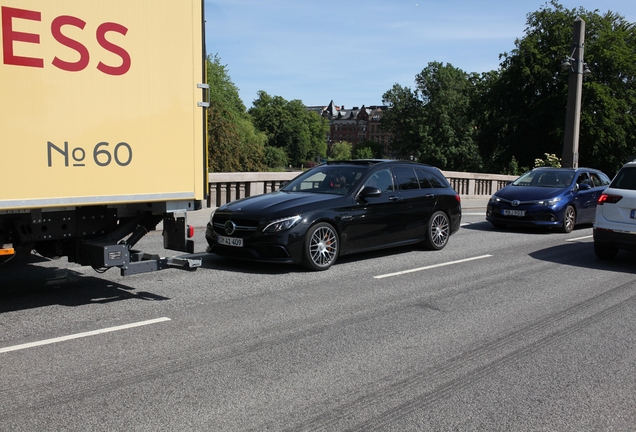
point(103, 130)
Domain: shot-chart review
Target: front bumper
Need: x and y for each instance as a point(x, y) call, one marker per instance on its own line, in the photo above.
point(284, 247)
point(534, 216)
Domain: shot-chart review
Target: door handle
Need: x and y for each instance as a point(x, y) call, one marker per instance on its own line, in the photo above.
point(429, 196)
point(394, 198)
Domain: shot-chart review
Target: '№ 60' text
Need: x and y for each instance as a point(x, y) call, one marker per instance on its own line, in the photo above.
point(102, 155)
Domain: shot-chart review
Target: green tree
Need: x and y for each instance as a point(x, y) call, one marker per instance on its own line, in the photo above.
point(513, 168)
point(275, 157)
point(551, 160)
point(363, 153)
point(233, 142)
point(368, 149)
point(449, 141)
point(341, 150)
point(404, 119)
point(608, 116)
point(318, 129)
point(434, 123)
point(521, 108)
point(290, 126)
point(492, 125)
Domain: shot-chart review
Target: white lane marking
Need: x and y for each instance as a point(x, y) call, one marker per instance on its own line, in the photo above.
point(81, 335)
point(580, 238)
point(431, 267)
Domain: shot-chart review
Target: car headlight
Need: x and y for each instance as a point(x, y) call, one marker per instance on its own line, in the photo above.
point(212, 216)
point(282, 224)
point(549, 202)
point(494, 199)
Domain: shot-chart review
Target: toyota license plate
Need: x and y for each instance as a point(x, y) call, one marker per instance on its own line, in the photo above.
point(520, 213)
point(230, 241)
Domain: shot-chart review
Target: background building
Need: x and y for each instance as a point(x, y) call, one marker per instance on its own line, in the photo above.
point(355, 125)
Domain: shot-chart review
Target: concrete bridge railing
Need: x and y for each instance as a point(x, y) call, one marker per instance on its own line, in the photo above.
point(226, 187)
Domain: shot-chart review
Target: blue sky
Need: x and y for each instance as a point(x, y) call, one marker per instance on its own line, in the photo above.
point(352, 51)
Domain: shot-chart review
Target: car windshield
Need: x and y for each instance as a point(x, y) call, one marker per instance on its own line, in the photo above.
point(332, 179)
point(545, 178)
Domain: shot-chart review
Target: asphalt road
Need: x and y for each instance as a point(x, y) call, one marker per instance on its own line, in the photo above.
point(508, 330)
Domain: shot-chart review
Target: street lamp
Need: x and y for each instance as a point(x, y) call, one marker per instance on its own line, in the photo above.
point(569, 61)
point(578, 70)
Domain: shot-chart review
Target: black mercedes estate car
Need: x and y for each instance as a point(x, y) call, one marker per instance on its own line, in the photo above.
point(339, 208)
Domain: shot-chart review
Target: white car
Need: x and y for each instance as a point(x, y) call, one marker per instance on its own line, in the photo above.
point(615, 224)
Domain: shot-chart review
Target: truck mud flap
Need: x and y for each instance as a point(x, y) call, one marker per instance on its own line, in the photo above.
point(176, 233)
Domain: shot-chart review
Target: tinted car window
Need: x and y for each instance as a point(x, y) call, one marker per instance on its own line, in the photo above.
point(605, 178)
point(600, 179)
point(327, 179)
point(583, 178)
point(440, 180)
point(545, 178)
point(434, 180)
point(406, 178)
point(423, 179)
point(382, 179)
point(528, 179)
point(625, 179)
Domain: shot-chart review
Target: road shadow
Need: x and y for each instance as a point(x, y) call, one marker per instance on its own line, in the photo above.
point(30, 285)
point(487, 226)
point(581, 254)
point(217, 262)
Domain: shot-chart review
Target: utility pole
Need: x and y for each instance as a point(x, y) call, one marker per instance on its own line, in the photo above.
point(575, 65)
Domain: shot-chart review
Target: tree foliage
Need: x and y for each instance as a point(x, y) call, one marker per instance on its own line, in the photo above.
point(290, 126)
point(404, 119)
point(368, 149)
point(275, 157)
point(341, 150)
point(505, 119)
point(551, 160)
point(434, 123)
point(233, 142)
point(446, 93)
point(521, 108)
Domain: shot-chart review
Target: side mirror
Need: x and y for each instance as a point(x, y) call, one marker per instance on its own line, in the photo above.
point(370, 192)
point(584, 186)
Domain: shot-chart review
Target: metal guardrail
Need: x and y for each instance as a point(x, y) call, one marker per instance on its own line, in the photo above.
point(226, 187)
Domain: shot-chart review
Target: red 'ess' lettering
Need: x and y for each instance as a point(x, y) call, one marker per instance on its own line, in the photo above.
point(56, 31)
point(101, 38)
point(11, 38)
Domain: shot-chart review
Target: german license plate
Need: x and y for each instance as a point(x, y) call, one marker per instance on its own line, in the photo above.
point(519, 213)
point(230, 241)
